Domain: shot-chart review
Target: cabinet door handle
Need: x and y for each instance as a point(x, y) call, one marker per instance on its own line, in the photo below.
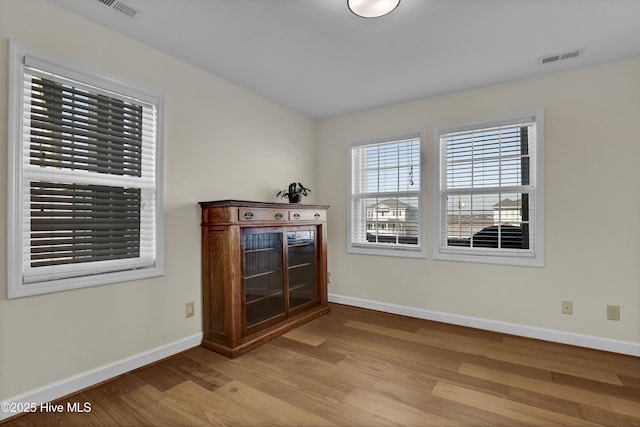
point(316, 216)
point(278, 215)
point(296, 216)
point(248, 215)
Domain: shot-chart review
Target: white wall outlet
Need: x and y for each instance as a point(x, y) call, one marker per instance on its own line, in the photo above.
point(189, 309)
point(567, 307)
point(329, 277)
point(613, 312)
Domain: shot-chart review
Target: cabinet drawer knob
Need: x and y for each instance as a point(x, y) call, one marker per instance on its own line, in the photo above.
point(248, 215)
point(317, 215)
point(278, 215)
point(296, 216)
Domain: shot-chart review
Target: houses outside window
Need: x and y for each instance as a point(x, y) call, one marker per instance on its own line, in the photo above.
point(385, 197)
point(489, 198)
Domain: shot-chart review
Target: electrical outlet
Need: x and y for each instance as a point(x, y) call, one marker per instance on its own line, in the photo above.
point(613, 312)
point(567, 307)
point(189, 310)
point(329, 277)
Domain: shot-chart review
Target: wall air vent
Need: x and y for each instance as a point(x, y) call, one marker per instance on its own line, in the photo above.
point(557, 57)
point(121, 7)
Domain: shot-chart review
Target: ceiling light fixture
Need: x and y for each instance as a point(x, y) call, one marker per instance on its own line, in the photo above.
point(372, 8)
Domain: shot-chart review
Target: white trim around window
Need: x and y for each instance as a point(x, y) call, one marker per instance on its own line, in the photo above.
point(85, 177)
point(385, 197)
point(489, 190)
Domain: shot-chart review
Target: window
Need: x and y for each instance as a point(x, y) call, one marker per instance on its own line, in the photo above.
point(385, 199)
point(85, 175)
point(489, 196)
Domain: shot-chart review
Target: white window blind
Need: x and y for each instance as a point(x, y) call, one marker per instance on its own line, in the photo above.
point(385, 197)
point(488, 200)
point(89, 186)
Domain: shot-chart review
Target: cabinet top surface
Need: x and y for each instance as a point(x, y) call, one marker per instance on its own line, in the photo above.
point(253, 204)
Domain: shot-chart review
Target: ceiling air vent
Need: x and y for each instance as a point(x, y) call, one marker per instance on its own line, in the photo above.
point(121, 7)
point(560, 56)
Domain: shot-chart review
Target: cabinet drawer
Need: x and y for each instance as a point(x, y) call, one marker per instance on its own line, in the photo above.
point(307, 215)
point(261, 214)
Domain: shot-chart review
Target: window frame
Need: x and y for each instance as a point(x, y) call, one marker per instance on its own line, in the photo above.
point(382, 249)
point(534, 257)
point(17, 196)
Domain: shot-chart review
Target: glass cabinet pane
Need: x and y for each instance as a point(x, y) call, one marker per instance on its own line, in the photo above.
point(263, 276)
point(301, 266)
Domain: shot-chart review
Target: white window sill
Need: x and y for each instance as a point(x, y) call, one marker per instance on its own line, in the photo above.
point(527, 260)
point(388, 251)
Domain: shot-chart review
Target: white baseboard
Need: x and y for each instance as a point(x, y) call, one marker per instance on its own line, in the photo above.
point(51, 392)
point(622, 347)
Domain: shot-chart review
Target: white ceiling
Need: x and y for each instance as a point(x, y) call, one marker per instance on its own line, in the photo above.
point(315, 57)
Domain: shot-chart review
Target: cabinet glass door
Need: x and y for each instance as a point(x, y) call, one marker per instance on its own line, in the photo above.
point(263, 275)
point(301, 266)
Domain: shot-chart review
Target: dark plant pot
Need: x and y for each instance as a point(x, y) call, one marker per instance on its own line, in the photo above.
point(295, 198)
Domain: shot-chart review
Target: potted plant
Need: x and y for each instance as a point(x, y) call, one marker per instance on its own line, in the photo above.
point(295, 192)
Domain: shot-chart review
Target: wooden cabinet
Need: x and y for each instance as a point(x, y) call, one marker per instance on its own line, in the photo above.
point(264, 271)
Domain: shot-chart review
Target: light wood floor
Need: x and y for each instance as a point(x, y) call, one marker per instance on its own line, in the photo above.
point(356, 367)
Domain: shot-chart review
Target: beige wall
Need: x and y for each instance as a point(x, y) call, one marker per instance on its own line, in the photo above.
point(221, 142)
point(592, 208)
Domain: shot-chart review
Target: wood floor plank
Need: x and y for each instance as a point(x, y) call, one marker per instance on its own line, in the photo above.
point(624, 364)
point(202, 404)
point(518, 412)
point(279, 410)
point(630, 382)
point(162, 377)
point(326, 378)
point(298, 373)
point(121, 385)
point(550, 403)
point(549, 388)
point(158, 408)
point(302, 348)
point(213, 408)
point(377, 362)
point(389, 320)
point(380, 370)
point(197, 372)
point(625, 407)
point(608, 418)
point(305, 337)
point(395, 410)
point(108, 398)
point(604, 387)
point(526, 357)
point(398, 349)
point(423, 399)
